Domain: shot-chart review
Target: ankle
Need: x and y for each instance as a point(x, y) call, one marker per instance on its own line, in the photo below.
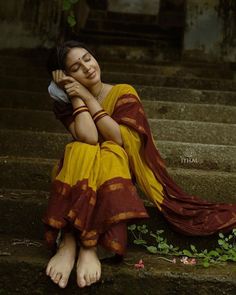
point(68, 241)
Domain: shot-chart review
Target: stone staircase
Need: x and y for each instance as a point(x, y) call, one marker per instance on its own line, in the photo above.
point(192, 114)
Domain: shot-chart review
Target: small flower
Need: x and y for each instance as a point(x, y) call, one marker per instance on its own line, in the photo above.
point(174, 260)
point(189, 261)
point(139, 265)
point(192, 261)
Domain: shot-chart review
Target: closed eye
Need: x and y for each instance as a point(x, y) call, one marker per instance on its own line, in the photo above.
point(75, 68)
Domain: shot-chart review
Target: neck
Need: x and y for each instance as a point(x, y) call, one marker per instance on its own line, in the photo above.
point(95, 89)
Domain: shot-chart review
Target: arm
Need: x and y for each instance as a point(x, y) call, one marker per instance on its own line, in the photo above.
point(83, 128)
point(109, 128)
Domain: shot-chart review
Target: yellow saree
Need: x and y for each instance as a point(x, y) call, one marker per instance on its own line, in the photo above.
point(94, 189)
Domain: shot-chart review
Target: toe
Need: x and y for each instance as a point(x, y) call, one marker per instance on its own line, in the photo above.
point(52, 273)
point(48, 269)
point(87, 279)
point(81, 281)
point(93, 278)
point(63, 282)
point(57, 278)
point(98, 275)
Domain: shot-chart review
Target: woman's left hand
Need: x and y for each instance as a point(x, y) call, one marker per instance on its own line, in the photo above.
point(75, 89)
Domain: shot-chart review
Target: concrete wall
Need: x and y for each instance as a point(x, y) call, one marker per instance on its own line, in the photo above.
point(210, 30)
point(150, 7)
point(29, 23)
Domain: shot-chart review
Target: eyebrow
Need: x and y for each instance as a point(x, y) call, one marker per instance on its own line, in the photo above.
point(78, 60)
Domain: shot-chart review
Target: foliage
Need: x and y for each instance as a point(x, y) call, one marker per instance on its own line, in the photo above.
point(226, 250)
point(68, 6)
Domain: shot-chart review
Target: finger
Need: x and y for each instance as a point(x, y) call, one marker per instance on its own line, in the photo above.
point(61, 74)
point(71, 92)
point(53, 75)
point(68, 79)
point(70, 85)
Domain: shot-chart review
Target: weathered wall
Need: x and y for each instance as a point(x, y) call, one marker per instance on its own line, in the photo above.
point(135, 6)
point(210, 30)
point(29, 23)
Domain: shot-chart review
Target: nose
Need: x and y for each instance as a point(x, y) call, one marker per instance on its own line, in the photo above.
point(85, 66)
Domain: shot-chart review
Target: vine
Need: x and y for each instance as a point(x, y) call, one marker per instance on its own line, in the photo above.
point(68, 6)
point(226, 250)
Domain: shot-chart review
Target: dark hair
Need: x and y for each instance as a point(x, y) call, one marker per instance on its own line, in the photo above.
point(57, 56)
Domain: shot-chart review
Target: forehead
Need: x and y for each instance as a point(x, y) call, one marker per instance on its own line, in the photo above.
point(74, 54)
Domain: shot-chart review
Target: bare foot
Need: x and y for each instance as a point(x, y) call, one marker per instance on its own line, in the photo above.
point(88, 267)
point(61, 264)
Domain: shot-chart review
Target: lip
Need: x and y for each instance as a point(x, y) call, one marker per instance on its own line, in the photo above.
point(91, 75)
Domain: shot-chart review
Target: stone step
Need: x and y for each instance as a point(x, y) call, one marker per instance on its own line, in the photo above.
point(177, 70)
point(29, 207)
point(190, 111)
point(134, 50)
point(36, 58)
point(134, 28)
point(34, 174)
point(26, 265)
point(41, 100)
point(179, 111)
point(162, 129)
point(99, 14)
point(109, 48)
point(39, 84)
point(175, 154)
point(92, 37)
point(167, 18)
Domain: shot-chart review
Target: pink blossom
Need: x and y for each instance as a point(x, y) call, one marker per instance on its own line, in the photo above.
point(139, 265)
point(189, 261)
point(174, 260)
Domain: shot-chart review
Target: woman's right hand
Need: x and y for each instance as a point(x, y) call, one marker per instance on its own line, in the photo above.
point(57, 78)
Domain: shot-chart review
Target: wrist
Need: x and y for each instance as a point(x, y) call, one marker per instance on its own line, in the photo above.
point(77, 102)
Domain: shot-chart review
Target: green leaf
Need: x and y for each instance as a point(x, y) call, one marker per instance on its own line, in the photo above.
point(224, 258)
point(193, 248)
point(206, 263)
point(187, 253)
point(152, 249)
point(161, 231)
point(66, 5)
point(221, 235)
point(132, 227)
point(73, 1)
point(71, 20)
point(140, 242)
point(213, 253)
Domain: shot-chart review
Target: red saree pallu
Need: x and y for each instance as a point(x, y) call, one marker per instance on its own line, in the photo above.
point(188, 214)
point(93, 195)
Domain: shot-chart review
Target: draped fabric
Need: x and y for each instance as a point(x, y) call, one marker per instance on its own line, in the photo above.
point(92, 192)
point(188, 214)
point(94, 188)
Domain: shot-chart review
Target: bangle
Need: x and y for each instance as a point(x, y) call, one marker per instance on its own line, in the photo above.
point(79, 108)
point(100, 117)
point(94, 116)
point(79, 112)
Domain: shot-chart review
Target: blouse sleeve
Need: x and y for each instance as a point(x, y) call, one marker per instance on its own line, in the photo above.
point(63, 112)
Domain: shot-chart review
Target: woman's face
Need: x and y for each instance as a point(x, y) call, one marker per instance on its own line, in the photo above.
point(82, 66)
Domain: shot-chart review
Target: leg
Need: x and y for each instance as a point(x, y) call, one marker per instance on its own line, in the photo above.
point(61, 264)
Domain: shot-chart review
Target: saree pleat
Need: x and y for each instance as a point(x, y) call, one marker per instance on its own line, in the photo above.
point(93, 193)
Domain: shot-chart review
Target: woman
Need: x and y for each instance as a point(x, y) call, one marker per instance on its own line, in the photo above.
point(93, 193)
